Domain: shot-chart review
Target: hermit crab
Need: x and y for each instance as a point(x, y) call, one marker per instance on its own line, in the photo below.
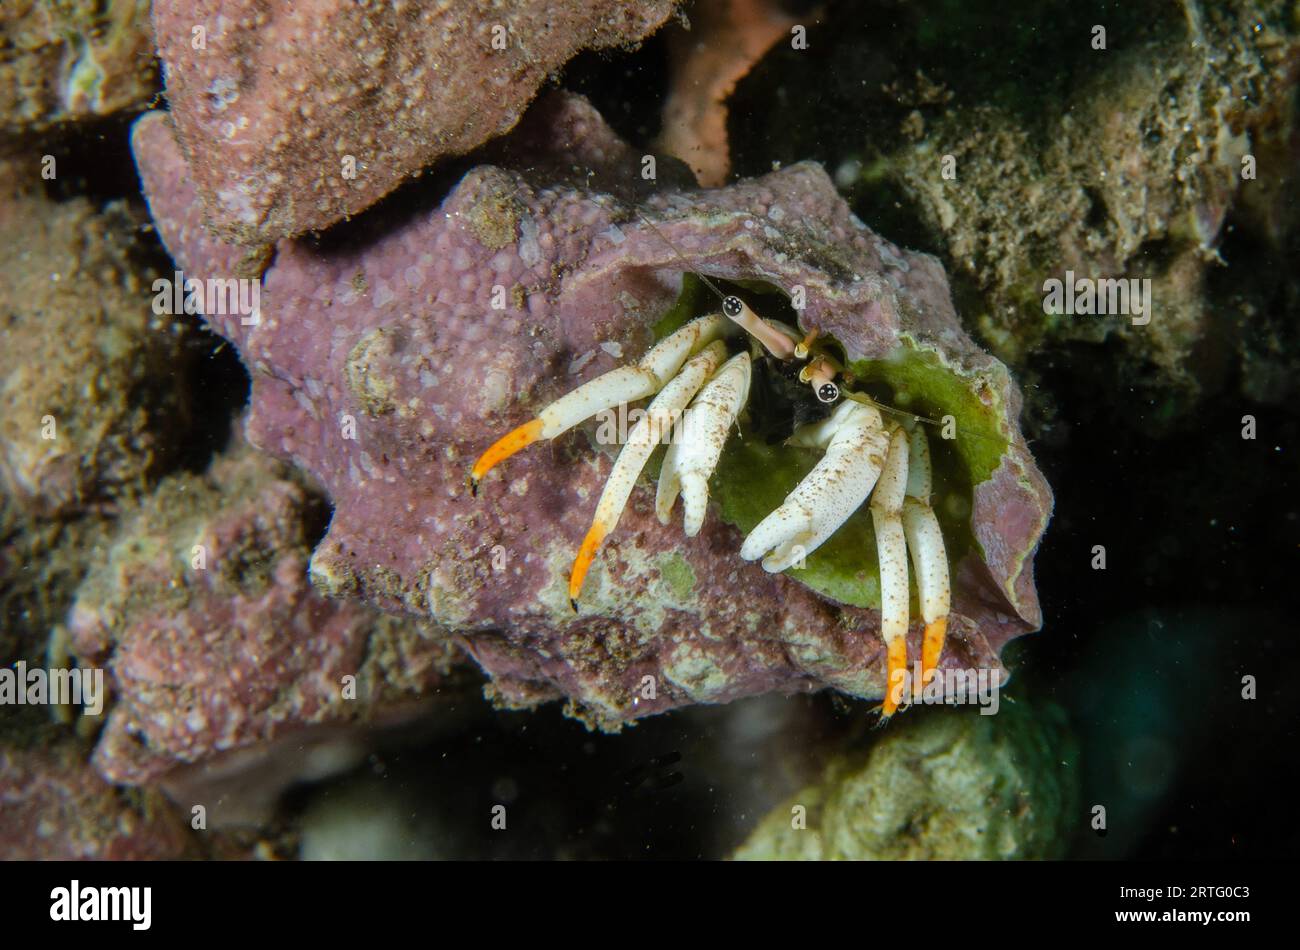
point(699, 379)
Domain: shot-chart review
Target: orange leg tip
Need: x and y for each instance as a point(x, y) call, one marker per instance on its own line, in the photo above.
point(895, 677)
point(503, 448)
point(932, 647)
point(586, 554)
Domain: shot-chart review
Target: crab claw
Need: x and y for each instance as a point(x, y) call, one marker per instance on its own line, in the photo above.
point(656, 425)
point(856, 444)
point(692, 457)
point(621, 385)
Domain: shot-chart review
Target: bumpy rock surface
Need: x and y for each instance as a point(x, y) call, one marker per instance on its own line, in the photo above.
point(947, 785)
point(53, 807)
point(294, 118)
point(214, 638)
point(1164, 143)
point(90, 403)
point(382, 367)
point(67, 60)
point(41, 562)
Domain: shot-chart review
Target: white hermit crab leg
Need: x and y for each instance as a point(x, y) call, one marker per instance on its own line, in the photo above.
point(856, 444)
point(886, 516)
point(621, 385)
point(929, 556)
point(652, 428)
point(693, 455)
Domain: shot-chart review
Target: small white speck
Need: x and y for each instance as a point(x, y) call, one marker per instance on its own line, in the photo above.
point(530, 252)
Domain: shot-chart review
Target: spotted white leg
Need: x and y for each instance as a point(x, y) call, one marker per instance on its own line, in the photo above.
point(891, 549)
point(856, 443)
point(693, 455)
point(652, 428)
point(929, 556)
point(624, 384)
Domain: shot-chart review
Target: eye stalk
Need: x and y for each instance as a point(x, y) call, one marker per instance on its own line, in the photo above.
point(820, 374)
point(773, 340)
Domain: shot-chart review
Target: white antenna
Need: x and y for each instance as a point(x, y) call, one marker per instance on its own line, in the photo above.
point(681, 257)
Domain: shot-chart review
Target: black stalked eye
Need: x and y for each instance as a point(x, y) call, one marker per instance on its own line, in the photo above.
point(828, 392)
point(732, 306)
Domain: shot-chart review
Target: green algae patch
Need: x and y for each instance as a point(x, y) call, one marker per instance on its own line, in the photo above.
point(920, 382)
point(692, 302)
point(678, 575)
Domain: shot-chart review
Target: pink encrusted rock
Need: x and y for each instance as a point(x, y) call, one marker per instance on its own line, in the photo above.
point(296, 115)
point(215, 640)
point(381, 367)
point(53, 807)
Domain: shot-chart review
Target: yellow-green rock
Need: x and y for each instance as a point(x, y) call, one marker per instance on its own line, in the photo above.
point(940, 784)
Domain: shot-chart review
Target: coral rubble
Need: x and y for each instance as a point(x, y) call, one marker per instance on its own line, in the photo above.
point(67, 61)
point(216, 642)
point(945, 785)
point(295, 120)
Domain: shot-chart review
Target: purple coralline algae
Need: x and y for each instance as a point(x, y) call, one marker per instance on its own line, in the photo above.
point(53, 807)
point(215, 642)
point(385, 359)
